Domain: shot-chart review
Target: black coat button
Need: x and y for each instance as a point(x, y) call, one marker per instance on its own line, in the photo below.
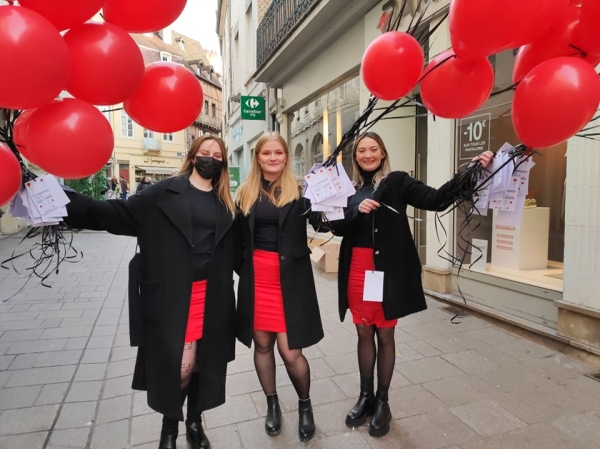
point(282, 257)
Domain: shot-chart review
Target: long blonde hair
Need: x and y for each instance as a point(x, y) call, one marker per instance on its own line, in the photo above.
point(284, 190)
point(385, 163)
point(220, 184)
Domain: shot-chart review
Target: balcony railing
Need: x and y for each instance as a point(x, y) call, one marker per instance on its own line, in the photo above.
point(280, 20)
point(151, 144)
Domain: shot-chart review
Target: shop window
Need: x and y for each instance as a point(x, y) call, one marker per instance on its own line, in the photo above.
point(532, 250)
point(318, 126)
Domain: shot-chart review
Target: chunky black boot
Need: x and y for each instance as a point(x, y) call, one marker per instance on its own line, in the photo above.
point(168, 434)
point(382, 415)
point(306, 423)
point(364, 406)
point(273, 419)
point(196, 436)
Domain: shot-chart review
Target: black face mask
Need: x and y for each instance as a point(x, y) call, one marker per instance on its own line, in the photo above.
point(208, 167)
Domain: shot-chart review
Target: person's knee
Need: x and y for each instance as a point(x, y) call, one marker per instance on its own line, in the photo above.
point(385, 336)
point(290, 357)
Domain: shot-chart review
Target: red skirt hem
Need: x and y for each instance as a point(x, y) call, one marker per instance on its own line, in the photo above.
point(195, 323)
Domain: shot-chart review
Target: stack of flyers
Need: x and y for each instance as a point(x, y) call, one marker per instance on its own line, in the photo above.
point(40, 202)
point(328, 189)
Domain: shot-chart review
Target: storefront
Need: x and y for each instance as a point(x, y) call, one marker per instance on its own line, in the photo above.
point(155, 167)
point(559, 294)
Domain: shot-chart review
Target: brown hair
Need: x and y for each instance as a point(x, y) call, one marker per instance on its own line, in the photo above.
point(220, 184)
point(385, 168)
point(286, 186)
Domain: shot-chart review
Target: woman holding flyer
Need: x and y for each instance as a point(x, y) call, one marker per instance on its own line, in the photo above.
point(379, 277)
point(277, 299)
point(181, 298)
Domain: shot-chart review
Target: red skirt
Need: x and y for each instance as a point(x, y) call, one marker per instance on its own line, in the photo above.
point(369, 313)
point(268, 299)
point(195, 322)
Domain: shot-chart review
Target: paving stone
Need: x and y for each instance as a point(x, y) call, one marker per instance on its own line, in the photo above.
point(112, 435)
point(41, 376)
point(28, 440)
point(413, 400)
point(117, 387)
point(455, 343)
point(104, 331)
point(52, 394)
point(69, 439)
point(26, 420)
point(76, 343)
point(140, 404)
point(337, 346)
point(493, 335)
point(584, 428)
point(319, 369)
point(559, 401)
point(330, 417)
point(522, 350)
point(225, 437)
point(23, 335)
point(100, 355)
point(101, 342)
point(350, 440)
point(235, 410)
point(51, 323)
point(120, 368)
point(127, 353)
point(342, 364)
point(84, 391)
point(67, 332)
point(242, 383)
point(37, 346)
point(559, 367)
point(78, 414)
point(18, 397)
point(461, 389)
point(540, 436)
point(405, 353)
point(59, 358)
point(487, 418)
point(252, 434)
point(474, 361)
point(145, 428)
point(94, 371)
point(19, 325)
point(424, 348)
point(115, 409)
point(5, 361)
point(78, 322)
point(514, 377)
point(428, 369)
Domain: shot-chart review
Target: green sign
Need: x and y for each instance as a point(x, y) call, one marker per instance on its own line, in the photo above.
point(234, 179)
point(253, 108)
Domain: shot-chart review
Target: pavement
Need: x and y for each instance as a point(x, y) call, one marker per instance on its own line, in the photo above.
point(66, 370)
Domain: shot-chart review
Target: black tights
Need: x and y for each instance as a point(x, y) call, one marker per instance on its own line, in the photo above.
point(384, 353)
point(296, 364)
point(189, 385)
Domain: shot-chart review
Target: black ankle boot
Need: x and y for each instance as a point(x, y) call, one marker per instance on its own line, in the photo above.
point(364, 406)
point(196, 436)
point(273, 419)
point(168, 434)
point(306, 423)
point(382, 415)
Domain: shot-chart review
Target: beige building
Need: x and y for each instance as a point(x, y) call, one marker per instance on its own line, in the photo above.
point(142, 152)
point(307, 55)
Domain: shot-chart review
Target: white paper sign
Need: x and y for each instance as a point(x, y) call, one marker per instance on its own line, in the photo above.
point(479, 254)
point(373, 290)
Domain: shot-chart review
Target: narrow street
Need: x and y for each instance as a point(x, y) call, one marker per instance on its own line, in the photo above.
point(66, 370)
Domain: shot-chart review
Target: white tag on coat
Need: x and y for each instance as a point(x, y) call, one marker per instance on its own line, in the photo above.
point(373, 290)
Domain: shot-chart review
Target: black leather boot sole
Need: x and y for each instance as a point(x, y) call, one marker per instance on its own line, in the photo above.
point(360, 420)
point(306, 421)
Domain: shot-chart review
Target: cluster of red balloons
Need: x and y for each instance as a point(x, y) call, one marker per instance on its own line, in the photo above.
point(559, 45)
point(98, 64)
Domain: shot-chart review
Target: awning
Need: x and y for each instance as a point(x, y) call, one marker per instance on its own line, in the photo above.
point(158, 170)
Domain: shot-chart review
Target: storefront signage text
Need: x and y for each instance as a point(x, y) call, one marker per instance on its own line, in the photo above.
point(253, 108)
point(151, 160)
point(473, 136)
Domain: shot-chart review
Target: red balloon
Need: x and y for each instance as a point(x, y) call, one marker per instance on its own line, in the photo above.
point(454, 87)
point(64, 14)
point(142, 16)
point(556, 42)
point(70, 138)
point(10, 174)
point(586, 36)
point(554, 101)
point(35, 59)
point(169, 99)
point(392, 65)
point(106, 63)
point(485, 27)
point(20, 130)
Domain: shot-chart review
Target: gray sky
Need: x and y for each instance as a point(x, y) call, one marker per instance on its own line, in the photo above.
point(198, 21)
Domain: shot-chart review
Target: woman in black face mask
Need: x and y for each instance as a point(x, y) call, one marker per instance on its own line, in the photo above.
point(181, 299)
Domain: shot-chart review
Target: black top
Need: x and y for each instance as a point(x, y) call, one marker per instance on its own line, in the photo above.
point(363, 237)
point(204, 223)
point(266, 225)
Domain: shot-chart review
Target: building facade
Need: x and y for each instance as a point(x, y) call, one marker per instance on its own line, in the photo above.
point(307, 59)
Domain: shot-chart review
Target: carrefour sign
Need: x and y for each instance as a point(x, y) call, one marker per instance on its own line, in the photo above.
point(253, 108)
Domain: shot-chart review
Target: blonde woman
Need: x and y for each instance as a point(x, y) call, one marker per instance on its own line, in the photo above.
point(181, 299)
point(277, 300)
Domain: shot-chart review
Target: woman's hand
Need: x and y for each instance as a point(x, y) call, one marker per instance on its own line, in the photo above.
point(367, 206)
point(485, 158)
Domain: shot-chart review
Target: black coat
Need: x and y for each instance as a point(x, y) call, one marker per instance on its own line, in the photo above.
point(160, 217)
point(300, 305)
point(394, 249)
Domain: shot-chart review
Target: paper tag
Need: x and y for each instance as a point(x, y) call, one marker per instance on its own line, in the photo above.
point(336, 214)
point(46, 194)
point(321, 185)
point(373, 290)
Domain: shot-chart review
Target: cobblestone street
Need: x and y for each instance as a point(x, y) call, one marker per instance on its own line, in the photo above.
point(66, 369)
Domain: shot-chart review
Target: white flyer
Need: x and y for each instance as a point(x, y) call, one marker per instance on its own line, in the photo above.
point(321, 185)
point(336, 214)
point(46, 194)
point(373, 290)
